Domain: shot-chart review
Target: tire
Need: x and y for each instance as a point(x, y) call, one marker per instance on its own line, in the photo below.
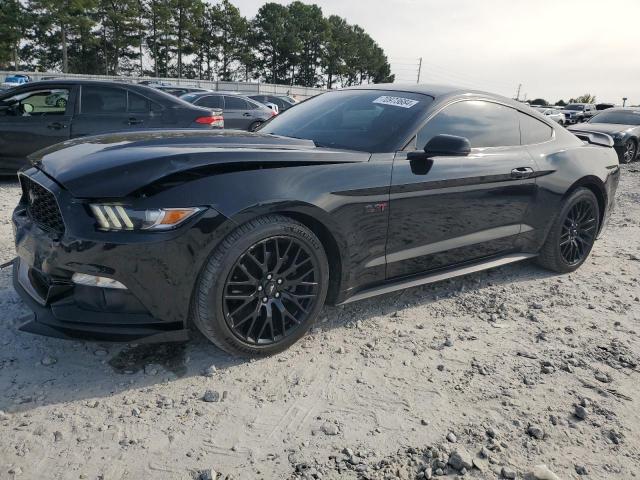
point(554, 253)
point(628, 152)
point(61, 103)
point(245, 268)
point(254, 126)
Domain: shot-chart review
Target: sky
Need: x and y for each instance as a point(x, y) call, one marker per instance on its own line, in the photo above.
point(557, 49)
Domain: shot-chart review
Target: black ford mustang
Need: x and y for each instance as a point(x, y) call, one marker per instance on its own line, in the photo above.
point(351, 194)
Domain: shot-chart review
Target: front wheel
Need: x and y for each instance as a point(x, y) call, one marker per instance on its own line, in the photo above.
point(262, 288)
point(572, 234)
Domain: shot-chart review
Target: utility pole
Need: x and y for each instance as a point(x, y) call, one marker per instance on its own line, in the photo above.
point(624, 101)
point(419, 69)
point(518, 92)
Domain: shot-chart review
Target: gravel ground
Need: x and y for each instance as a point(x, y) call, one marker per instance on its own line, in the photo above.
point(492, 376)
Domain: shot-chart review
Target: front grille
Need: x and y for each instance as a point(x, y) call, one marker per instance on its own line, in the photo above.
point(42, 206)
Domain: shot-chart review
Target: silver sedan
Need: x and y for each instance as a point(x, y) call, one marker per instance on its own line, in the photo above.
point(553, 114)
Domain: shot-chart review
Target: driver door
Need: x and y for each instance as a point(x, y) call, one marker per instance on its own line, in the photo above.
point(450, 210)
point(31, 120)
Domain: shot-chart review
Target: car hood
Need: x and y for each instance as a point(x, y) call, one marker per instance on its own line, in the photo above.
point(572, 111)
point(610, 128)
point(116, 165)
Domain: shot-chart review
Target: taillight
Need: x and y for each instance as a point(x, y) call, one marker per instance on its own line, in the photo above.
point(213, 120)
point(273, 113)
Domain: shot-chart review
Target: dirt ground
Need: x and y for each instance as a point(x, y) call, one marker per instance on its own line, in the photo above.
point(487, 376)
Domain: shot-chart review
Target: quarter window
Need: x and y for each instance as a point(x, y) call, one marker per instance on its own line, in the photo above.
point(138, 103)
point(533, 130)
point(484, 124)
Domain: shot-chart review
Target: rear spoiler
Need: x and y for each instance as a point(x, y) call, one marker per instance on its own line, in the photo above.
point(595, 138)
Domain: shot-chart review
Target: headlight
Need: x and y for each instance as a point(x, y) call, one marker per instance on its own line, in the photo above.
point(119, 217)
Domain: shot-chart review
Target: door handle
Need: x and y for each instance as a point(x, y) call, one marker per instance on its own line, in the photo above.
point(135, 121)
point(246, 114)
point(56, 126)
point(521, 172)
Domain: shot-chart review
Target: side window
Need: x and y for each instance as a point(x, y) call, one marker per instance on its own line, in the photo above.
point(484, 124)
point(103, 100)
point(210, 101)
point(138, 103)
point(235, 103)
point(533, 130)
point(37, 103)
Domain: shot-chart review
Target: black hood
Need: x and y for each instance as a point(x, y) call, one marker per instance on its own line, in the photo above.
point(115, 165)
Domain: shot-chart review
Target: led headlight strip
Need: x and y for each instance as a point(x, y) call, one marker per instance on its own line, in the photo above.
point(118, 217)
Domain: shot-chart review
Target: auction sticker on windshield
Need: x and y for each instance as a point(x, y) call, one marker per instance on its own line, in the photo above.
point(396, 101)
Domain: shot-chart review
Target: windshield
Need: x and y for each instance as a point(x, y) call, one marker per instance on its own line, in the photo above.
point(574, 106)
point(628, 117)
point(364, 120)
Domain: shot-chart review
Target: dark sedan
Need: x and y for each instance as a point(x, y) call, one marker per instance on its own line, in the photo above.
point(40, 114)
point(240, 112)
point(351, 194)
point(622, 124)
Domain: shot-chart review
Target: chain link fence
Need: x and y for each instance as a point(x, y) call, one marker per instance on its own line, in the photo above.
point(248, 88)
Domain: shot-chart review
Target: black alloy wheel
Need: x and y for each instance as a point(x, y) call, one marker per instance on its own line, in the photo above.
point(271, 290)
point(629, 152)
point(578, 232)
point(262, 287)
point(572, 234)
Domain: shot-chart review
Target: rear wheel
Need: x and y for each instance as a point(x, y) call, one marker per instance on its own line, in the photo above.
point(61, 103)
point(572, 234)
point(262, 288)
point(254, 126)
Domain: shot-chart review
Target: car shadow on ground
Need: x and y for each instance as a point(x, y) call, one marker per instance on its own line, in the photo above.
point(85, 370)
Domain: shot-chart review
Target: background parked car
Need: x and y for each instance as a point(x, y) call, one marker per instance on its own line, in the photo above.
point(579, 112)
point(15, 80)
point(283, 102)
point(604, 106)
point(239, 112)
point(623, 125)
point(177, 91)
point(552, 114)
point(36, 115)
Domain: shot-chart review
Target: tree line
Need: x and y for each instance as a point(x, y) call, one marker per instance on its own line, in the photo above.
point(293, 45)
point(586, 98)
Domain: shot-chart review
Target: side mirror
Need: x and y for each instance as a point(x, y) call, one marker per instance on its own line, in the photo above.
point(447, 146)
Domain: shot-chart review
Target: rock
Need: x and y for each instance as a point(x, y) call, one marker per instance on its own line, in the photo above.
point(580, 412)
point(329, 428)
point(101, 352)
point(581, 470)
point(428, 473)
point(541, 472)
point(460, 458)
point(136, 412)
point(211, 396)
point(452, 437)
point(207, 474)
point(210, 371)
point(448, 342)
point(57, 436)
point(340, 350)
point(3, 415)
point(424, 422)
point(15, 471)
point(548, 369)
point(508, 473)
point(481, 464)
point(602, 377)
point(150, 370)
point(535, 431)
point(48, 360)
